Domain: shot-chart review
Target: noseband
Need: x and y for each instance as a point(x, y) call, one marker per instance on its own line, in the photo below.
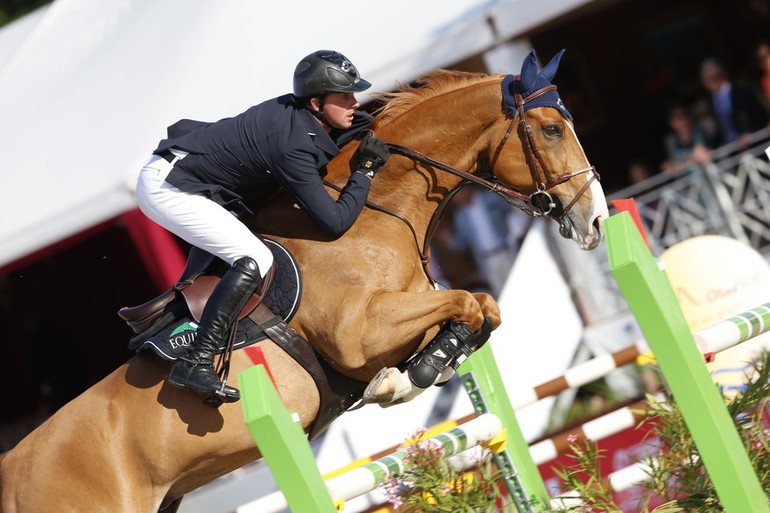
point(538, 203)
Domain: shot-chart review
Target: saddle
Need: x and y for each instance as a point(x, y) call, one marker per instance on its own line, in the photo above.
point(195, 287)
point(167, 324)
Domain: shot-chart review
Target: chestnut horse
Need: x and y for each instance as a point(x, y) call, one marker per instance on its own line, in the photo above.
point(134, 444)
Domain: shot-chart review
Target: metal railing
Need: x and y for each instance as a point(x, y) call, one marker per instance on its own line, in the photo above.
point(729, 196)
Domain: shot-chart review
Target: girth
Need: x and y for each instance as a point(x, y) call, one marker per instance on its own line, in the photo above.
point(337, 393)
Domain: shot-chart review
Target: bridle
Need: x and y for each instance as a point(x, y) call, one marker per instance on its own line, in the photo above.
point(537, 204)
point(541, 177)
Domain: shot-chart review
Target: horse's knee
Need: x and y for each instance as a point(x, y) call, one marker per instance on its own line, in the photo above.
point(469, 309)
point(489, 307)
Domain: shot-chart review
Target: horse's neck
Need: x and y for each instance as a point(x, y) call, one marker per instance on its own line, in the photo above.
point(414, 190)
point(455, 138)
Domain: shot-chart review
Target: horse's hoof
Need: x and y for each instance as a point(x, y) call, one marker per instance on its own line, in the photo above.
point(385, 387)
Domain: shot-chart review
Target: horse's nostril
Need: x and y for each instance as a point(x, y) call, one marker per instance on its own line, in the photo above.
point(598, 226)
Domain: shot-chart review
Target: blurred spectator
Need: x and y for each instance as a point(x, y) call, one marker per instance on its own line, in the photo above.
point(686, 142)
point(763, 60)
point(638, 171)
point(735, 109)
point(519, 224)
point(481, 225)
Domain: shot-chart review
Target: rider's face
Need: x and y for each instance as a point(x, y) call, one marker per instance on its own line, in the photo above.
point(339, 108)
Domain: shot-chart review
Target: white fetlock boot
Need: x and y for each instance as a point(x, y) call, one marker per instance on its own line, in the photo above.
point(391, 386)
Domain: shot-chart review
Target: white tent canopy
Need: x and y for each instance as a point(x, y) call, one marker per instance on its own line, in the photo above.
point(87, 87)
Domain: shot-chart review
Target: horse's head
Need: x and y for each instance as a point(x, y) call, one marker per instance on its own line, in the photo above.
point(558, 180)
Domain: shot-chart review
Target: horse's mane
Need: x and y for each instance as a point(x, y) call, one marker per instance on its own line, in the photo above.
point(427, 86)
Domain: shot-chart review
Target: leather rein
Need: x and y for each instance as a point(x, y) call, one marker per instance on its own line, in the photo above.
point(537, 204)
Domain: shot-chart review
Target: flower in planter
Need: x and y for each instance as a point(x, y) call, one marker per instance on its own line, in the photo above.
point(429, 482)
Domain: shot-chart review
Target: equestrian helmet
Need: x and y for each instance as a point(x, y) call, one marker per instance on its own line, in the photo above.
point(327, 71)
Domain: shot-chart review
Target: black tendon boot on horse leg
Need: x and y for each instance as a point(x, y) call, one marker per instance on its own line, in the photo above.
point(451, 347)
point(448, 350)
point(195, 370)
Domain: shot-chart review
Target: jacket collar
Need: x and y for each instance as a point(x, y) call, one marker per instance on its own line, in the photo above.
point(315, 130)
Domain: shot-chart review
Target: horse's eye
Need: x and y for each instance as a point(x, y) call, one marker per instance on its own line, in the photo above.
point(553, 131)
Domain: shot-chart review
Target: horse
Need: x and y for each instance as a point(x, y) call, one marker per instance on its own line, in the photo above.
point(133, 443)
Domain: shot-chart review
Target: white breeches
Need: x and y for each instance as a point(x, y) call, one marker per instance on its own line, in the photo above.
point(196, 219)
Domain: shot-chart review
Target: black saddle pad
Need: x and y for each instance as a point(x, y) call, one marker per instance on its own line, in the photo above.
point(283, 299)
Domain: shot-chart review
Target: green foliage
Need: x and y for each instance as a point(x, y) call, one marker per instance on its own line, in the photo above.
point(584, 478)
point(677, 474)
point(588, 492)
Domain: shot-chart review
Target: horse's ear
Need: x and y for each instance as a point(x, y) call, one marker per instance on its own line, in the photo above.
point(549, 71)
point(528, 71)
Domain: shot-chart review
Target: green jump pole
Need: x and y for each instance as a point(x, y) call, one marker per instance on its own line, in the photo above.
point(283, 444)
point(656, 308)
point(480, 371)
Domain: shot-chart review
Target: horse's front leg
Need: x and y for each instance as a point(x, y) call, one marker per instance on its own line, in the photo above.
point(410, 315)
point(465, 321)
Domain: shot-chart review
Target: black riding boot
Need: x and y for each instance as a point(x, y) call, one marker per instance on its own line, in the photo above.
point(451, 347)
point(195, 369)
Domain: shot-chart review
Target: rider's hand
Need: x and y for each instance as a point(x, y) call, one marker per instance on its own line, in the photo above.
point(372, 154)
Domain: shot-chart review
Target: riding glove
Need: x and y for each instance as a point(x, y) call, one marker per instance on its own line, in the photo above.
point(372, 154)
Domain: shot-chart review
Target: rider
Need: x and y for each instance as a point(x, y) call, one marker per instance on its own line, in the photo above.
point(204, 172)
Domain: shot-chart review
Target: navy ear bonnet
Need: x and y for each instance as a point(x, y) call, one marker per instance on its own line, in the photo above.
point(532, 79)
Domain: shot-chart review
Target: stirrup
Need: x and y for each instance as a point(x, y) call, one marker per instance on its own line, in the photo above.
point(212, 396)
point(216, 398)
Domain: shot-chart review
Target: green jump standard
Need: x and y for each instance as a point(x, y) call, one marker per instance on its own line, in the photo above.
point(656, 308)
point(283, 444)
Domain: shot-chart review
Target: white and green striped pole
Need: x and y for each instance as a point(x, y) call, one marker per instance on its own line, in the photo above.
point(366, 478)
point(735, 330)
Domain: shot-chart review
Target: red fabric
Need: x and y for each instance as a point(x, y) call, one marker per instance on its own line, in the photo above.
point(258, 358)
point(157, 247)
point(629, 205)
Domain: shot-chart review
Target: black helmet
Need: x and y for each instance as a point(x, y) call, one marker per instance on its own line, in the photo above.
point(327, 71)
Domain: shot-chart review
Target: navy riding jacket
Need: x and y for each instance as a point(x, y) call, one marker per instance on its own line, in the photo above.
point(239, 162)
